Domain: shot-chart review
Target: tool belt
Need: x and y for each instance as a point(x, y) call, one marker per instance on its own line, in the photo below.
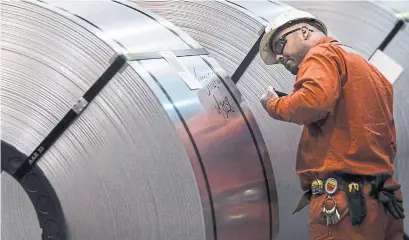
point(330, 186)
point(352, 185)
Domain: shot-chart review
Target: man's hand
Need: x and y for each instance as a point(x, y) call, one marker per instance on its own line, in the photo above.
point(267, 96)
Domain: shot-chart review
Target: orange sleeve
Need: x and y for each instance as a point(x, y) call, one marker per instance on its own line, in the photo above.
point(316, 90)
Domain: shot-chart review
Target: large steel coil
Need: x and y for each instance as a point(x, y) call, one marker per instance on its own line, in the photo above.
point(167, 149)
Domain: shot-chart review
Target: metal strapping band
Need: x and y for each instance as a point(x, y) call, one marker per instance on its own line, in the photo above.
point(72, 114)
point(398, 25)
point(247, 60)
point(158, 55)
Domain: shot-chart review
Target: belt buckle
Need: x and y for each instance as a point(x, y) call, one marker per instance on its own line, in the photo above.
point(331, 186)
point(317, 187)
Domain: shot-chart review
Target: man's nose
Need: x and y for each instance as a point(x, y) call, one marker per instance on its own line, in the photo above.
point(279, 58)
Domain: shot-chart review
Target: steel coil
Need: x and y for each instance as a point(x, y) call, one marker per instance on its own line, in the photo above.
point(166, 150)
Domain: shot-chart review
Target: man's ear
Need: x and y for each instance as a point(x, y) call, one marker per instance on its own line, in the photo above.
point(305, 32)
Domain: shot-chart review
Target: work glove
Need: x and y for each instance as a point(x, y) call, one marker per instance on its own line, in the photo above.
point(387, 196)
point(267, 96)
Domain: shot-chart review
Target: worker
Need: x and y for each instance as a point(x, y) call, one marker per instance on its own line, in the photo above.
point(348, 142)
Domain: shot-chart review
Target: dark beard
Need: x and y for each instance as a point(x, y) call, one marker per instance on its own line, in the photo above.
point(294, 71)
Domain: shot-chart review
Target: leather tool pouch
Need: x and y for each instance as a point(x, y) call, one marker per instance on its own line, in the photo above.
point(356, 202)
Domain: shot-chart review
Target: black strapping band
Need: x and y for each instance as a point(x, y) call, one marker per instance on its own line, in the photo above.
point(398, 25)
point(247, 60)
point(40, 191)
point(29, 162)
point(158, 55)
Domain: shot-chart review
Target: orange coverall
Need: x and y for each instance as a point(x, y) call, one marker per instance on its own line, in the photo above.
point(351, 105)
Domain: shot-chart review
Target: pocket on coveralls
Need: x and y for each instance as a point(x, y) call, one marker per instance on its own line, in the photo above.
point(372, 228)
point(318, 226)
point(317, 203)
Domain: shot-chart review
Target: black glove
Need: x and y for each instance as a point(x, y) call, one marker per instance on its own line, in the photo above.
point(387, 196)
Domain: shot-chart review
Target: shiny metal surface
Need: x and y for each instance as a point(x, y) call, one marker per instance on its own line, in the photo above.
point(266, 10)
point(149, 158)
point(181, 69)
point(216, 126)
point(135, 31)
point(401, 8)
point(17, 212)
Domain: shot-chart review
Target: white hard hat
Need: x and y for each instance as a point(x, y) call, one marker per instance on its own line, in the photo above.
point(285, 19)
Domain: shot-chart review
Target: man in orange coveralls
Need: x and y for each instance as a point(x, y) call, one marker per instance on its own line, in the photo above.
point(346, 151)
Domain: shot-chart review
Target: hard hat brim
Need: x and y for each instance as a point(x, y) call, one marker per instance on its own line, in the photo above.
point(268, 56)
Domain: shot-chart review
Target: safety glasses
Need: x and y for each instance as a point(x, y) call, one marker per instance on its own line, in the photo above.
point(278, 46)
